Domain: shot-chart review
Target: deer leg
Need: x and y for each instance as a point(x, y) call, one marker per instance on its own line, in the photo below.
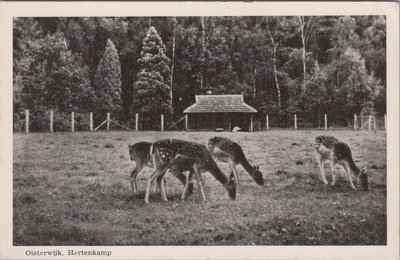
point(200, 181)
point(160, 181)
point(322, 170)
point(150, 182)
point(182, 178)
point(347, 170)
point(134, 173)
point(163, 187)
point(232, 167)
point(187, 184)
point(333, 171)
point(157, 187)
point(179, 175)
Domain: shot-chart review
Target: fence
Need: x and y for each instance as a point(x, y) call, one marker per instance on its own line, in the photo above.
point(362, 122)
point(107, 123)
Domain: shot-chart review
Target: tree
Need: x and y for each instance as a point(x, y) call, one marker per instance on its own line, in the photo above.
point(107, 82)
point(305, 30)
point(283, 65)
point(273, 27)
point(152, 88)
point(350, 87)
point(25, 34)
point(173, 63)
point(51, 77)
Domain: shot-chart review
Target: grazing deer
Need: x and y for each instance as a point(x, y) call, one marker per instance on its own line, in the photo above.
point(140, 153)
point(164, 153)
point(184, 164)
point(333, 150)
point(226, 150)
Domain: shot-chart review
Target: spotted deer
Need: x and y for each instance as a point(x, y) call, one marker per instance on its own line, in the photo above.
point(165, 151)
point(226, 150)
point(331, 149)
point(140, 154)
point(184, 164)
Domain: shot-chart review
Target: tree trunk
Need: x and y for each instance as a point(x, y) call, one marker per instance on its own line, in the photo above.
point(173, 64)
point(303, 41)
point(278, 89)
point(203, 48)
point(254, 83)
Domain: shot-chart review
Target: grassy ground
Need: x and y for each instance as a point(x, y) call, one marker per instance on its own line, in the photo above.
point(73, 189)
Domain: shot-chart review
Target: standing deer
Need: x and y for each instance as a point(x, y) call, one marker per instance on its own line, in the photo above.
point(335, 151)
point(226, 150)
point(183, 164)
point(164, 153)
point(140, 153)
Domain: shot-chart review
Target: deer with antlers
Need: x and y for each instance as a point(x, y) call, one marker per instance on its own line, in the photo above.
point(331, 149)
point(166, 151)
point(226, 150)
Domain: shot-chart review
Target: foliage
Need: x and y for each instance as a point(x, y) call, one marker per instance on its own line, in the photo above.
point(49, 76)
point(152, 88)
point(61, 63)
point(107, 83)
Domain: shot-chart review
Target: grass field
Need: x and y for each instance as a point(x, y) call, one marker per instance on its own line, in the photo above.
point(73, 189)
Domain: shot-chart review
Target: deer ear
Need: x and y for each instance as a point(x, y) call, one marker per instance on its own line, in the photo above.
point(129, 146)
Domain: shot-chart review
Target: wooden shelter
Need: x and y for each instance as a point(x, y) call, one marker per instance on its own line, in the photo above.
point(220, 112)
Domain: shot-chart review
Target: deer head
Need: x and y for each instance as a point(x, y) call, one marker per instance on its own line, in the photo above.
point(231, 186)
point(257, 175)
point(130, 148)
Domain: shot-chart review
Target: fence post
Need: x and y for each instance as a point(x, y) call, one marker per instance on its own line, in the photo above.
point(385, 121)
point(251, 124)
point(362, 122)
point(186, 122)
point(72, 121)
point(137, 122)
point(51, 121)
point(91, 122)
point(369, 122)
point(355, 122)
point(108, 121)
point(326, 122)
point(162, 122)
point(267, 121)
point(26, 121)
point(295, 122)
point(374, 123)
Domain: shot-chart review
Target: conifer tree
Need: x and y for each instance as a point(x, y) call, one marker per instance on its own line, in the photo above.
point(107, 82)
point(152, 88)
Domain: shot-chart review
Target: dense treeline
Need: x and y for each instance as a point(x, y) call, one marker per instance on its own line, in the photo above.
point(151, 65)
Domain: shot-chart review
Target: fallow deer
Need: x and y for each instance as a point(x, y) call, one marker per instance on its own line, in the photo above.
point(226, 150)
point(331, 149)
point(164, 153)
point(140, 153)
point(183, 164)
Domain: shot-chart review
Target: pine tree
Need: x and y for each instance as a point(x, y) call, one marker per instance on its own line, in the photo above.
point(152, 88)
point(107, 82)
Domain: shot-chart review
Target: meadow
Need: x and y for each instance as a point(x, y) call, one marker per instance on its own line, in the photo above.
point(73, 189)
